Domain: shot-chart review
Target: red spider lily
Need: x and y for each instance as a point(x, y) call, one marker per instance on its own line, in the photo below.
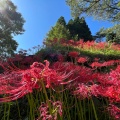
point(15, 85)
point(108, 85)
point(45, 111)
point(114, 111)
point(65, 69)
point(82, 59)
point(91, 45)
point(71, 42)
point(109, 92)
point(113, 93)
point(113, 78)
point(108, 63)
point(101, 45)
point(88, 44)
point(96, 65)
point(85, 91)
point(115, 46)
point(22, 82)
point(50, 76)
point(79, 74)
point(73, 54)
point(81, 91)
point(93, 90)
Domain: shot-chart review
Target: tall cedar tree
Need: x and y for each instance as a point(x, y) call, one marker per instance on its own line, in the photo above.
point(79, 29)
point(11, 23)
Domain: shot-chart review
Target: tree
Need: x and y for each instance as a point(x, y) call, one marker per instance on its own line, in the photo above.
point(11, 23)
point(99, 9)
point(7, 48)
point(99, 36)
point(59, 31)
point(61, 21)
point(79, 29)
point(112, 34)
point(75, 29)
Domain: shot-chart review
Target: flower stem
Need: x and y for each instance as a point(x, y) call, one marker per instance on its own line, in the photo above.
point(94, 109)
point(46, 96)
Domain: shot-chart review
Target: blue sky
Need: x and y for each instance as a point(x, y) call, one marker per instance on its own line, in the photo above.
point(41, 15)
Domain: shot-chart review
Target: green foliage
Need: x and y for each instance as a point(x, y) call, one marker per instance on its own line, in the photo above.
point(101, 10)
point(104, 53)
point(11, 23)
point(111, 37)
point(111, 34)
point(62, 21)
point(59, 31)
point(105, 9)
point(75, 29)
point(7, 48)
point(79, 29)
point(99, 36)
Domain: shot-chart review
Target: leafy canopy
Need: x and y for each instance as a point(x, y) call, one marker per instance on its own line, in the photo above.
point(11, 23)
point(102, 10)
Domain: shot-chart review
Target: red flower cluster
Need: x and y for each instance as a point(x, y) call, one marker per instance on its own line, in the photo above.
point(18, 83)
point(45, 110)
point(82, 59)
point(104, 64)
point(114, 111)
point(73, 54)
point(104, 85)
point(80, 81)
